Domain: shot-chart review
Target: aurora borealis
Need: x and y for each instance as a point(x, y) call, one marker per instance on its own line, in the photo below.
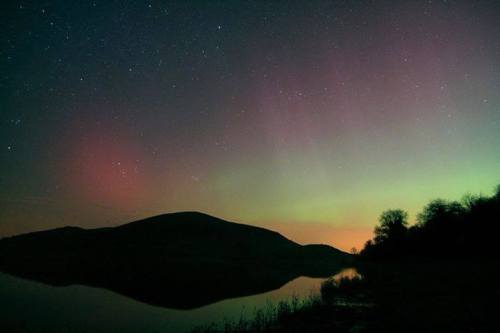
point(309, 118)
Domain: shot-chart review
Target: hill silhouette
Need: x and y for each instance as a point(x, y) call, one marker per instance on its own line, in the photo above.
point(438, 275)
point(180, 260)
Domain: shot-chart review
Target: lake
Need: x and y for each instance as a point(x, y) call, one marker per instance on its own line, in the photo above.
point(36, 307)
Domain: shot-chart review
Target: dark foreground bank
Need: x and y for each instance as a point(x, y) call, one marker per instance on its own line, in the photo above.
point(439, 275)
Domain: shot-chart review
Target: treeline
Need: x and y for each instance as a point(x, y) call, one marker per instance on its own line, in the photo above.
point(469, 227)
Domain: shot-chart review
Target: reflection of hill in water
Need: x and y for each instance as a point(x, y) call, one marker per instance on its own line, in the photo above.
point(182, 260)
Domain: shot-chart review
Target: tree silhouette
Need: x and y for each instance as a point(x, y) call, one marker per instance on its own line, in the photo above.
point(443, 229)
point(393, 226)
point(496, 195)
point(439, 213)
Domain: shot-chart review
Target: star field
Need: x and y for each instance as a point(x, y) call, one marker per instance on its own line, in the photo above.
point(309, 118)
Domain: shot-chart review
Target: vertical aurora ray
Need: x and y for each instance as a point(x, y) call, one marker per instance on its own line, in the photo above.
point(308, 118)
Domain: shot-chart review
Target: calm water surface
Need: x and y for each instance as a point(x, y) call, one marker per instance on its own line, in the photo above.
point(36, 307)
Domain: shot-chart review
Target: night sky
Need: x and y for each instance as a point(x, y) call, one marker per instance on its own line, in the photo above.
point(309, 118)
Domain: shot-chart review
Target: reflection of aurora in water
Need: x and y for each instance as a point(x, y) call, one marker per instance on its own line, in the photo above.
point(83, 309)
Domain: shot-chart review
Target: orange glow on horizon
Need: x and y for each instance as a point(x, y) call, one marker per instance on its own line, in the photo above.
point(341, 237)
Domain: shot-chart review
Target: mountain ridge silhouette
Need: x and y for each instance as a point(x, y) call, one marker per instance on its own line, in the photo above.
point(179, 260)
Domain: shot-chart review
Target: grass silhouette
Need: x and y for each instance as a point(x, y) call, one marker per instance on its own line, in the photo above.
point(439, 275)
point(335, 307)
